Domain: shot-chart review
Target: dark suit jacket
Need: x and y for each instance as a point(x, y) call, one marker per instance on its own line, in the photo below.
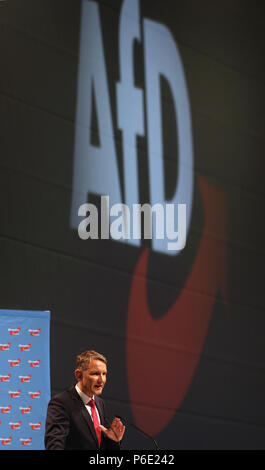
point(70, 427)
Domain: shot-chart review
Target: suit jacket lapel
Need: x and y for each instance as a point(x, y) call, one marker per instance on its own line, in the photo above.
point(89, 421)
point(85, 413)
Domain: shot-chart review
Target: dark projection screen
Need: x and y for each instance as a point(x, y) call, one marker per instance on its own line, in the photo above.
point(108, 107)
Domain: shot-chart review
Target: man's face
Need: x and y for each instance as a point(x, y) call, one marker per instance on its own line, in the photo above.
point(92, 380)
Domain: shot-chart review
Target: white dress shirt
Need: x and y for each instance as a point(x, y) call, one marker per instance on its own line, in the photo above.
point(86, 399)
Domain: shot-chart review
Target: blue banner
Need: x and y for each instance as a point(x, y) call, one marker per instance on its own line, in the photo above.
point(24, 378)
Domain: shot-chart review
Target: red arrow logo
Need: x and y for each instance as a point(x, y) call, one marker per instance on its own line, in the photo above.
point(15, 394)
point(14, 331)
point(25, 410)
point(35, 426)
point(24, 378)
point(35, 394)
point(5, 409)
point(24, 347)
point(15, 425)
point(5, 378)
point(5, 347)
point(171, 346)
point(14, 362)
point(6, 441)
point(34, 332)
point(34, 363)
point(25, 442)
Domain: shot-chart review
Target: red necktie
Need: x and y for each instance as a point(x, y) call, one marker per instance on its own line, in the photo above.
point(95, 420)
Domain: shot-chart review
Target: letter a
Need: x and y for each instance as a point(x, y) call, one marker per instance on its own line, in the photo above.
point(95, 168)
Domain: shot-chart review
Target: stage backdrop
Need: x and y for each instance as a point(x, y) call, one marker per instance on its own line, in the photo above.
point(24, 378)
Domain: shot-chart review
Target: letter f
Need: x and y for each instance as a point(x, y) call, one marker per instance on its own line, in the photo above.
point(130, 100)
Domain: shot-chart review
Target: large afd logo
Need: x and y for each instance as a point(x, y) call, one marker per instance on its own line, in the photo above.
point(95, 167)
point(173, 342)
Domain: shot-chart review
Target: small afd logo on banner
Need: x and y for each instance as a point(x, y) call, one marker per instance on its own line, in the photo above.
point(15, 425)
point(5, 347)
point(5, 440)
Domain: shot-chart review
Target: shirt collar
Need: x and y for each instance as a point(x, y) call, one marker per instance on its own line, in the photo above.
point(85, 398)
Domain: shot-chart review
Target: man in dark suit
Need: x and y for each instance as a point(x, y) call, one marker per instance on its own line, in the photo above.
point(76, 418)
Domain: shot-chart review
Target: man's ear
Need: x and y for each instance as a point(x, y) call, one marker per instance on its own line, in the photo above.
point(78, 374)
